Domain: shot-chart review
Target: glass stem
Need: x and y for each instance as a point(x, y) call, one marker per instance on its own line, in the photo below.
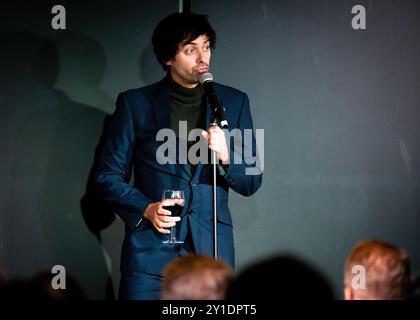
point(173, 234)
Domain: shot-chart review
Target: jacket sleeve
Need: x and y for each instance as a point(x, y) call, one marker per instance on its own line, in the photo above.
point(244, 174)
point(112, 178)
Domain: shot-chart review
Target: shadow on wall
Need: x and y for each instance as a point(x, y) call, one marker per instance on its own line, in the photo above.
point(150, 70)
point(47, 146)
point(82, 68)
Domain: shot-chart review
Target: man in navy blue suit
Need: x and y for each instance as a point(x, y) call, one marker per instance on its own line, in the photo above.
point(183, 44)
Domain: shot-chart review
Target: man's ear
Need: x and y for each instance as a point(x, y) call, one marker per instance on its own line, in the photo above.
point(169, 62)
point(348, 294)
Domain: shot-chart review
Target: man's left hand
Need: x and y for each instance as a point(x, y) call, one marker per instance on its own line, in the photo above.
point(217, 141)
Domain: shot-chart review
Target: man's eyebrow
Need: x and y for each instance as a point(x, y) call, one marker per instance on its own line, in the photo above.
point(195, 43)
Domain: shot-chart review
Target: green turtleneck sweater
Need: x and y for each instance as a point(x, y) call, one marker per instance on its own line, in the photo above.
point(186, 105)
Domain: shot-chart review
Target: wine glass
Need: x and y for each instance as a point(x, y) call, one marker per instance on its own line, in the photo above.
point(173, 200)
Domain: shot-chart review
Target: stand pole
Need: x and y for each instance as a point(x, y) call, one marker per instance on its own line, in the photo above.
point(213, 159)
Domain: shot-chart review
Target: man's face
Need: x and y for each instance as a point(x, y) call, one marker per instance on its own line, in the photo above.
point(191, 60)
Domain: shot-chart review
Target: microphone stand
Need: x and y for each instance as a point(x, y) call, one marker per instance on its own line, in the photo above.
point(214, 162)
point(214, 104)
point(214, 189)
point(213, 159)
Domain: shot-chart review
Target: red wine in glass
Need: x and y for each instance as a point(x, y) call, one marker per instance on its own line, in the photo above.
point(173, 201)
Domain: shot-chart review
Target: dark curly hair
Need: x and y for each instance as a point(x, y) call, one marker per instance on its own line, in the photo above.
point(176, 30)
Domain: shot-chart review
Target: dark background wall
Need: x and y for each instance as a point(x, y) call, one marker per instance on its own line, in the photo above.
point(340, 110)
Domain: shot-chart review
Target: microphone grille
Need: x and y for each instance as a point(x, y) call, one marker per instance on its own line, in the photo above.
point(204, 77)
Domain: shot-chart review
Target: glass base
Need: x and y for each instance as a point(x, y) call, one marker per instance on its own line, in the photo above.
point(173, 241)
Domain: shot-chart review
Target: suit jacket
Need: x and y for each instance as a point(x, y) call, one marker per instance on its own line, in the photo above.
point(130, 151)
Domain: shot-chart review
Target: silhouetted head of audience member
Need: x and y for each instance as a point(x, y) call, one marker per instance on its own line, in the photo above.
point(39, 288)
point(415, 292)
point(195, 277)
point(280, 277)
point(376, 270)
point(72, 291)
point(3, 278)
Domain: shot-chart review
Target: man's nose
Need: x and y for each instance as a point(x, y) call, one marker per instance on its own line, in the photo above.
point(199, 56)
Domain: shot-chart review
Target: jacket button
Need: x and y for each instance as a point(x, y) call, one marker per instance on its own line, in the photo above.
point(193, 184)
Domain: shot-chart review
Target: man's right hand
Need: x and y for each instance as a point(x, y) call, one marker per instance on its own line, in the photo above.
point(160, 217)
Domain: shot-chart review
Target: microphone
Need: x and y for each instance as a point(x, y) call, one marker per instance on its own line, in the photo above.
point(206, 79)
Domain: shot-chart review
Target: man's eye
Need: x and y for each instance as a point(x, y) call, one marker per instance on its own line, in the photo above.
point(206, 48)
point(189, 51)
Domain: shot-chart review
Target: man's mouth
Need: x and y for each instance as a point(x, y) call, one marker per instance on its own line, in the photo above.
point(202, 69)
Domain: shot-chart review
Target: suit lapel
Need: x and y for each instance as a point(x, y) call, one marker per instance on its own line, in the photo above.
point(207, 125)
